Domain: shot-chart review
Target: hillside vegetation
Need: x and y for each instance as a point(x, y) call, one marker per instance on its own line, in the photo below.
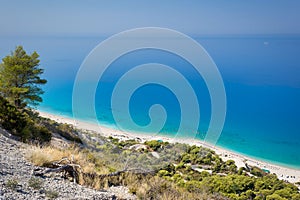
point(175, 171)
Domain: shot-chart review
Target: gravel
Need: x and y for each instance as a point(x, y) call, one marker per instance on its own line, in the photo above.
point(18, 182)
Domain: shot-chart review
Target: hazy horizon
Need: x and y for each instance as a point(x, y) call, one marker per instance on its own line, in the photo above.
point(69, 18)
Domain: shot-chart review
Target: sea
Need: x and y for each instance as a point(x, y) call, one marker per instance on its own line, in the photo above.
point(261, 76)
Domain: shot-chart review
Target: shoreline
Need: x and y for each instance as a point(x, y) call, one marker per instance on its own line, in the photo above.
point(283, 173)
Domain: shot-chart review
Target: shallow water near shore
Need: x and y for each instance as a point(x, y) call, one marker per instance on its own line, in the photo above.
point(261, 78)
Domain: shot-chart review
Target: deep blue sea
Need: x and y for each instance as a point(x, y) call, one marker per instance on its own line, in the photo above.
point(261, 76)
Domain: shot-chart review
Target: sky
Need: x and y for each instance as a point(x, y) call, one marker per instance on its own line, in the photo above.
point(87, 18)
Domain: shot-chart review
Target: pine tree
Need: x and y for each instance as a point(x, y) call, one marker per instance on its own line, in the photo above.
point(20, 78)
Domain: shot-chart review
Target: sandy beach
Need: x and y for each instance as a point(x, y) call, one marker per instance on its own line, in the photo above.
point(283, 173)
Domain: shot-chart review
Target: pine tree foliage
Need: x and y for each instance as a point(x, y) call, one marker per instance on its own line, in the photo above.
point(20, 78)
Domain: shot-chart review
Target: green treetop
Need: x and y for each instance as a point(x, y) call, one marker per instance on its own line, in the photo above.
point(20, 78)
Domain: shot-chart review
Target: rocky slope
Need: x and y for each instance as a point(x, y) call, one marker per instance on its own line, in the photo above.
point(18, 182)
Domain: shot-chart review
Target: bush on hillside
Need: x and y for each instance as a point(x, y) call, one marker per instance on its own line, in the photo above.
point(20, 124)
point(64, 130)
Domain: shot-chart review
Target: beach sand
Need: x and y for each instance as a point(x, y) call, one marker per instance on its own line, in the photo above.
point(283, 173)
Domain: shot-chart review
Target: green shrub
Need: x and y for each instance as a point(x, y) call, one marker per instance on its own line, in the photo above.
point(274, 197)
point(241, 170)
point(21, 123)
point(185, 158)
point(179, 166)
point(51, 194)
point(154, 144)
point(11, 118)
point(126, 143)
point(163, 173)
point(257, 172)
point(35, 183)
point(295, 196)
point(64, 130)
point(12, 184)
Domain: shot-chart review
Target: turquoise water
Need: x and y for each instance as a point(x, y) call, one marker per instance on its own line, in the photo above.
point(261, 76)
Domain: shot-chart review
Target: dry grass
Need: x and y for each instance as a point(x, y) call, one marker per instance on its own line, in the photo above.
point(40, 156)
point(90, 164)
